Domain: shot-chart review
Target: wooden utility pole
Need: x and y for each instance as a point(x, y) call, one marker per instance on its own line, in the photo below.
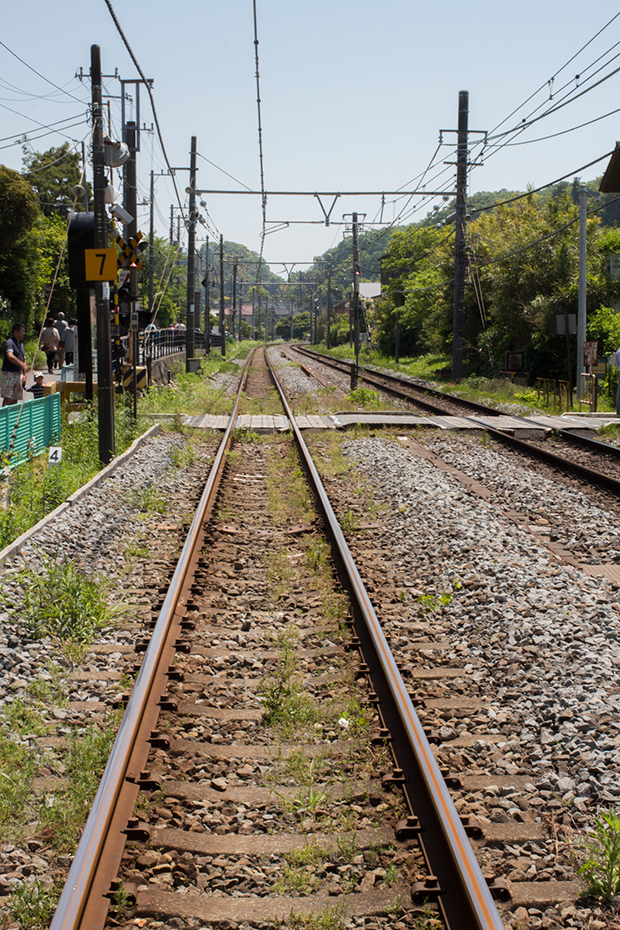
point(459, 239)
point(105, 384)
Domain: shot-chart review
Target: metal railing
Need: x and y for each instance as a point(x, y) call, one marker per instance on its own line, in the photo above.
point(161, 342)
point(588, 392)
point(551, 389)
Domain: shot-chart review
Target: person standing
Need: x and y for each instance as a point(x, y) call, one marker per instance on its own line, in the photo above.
point(50, 340)
point(14, 368)
point(61, 326)
point(69, 337)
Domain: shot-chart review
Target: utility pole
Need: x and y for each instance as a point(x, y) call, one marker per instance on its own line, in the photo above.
point(84, 178)
point(234, 298)
point(356, 305)
point(240, 309)
point(171, 223)
point(222, 320)
point(105, 384)
point(329, 302)
point(207, 300)
point(130, 198)
point(190, 348)
point(151, 245)
point(581, 305)
point(458, 324)
point(301, 305)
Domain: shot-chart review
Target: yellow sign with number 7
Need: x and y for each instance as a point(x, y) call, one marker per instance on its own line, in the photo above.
point(100, 264)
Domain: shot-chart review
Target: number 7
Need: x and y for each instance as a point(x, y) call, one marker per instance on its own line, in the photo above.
point(102, 256)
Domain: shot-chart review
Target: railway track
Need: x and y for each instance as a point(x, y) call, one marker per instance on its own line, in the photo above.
point(270, 763)
point(588, 459)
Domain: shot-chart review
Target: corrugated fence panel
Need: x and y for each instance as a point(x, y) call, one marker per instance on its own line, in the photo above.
point(38, 426)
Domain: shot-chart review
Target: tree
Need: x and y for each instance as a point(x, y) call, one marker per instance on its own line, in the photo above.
point(53, 175)
point(18, 208)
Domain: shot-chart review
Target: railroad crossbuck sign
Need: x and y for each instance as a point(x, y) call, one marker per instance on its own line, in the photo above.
point(100, 264)
point(128, 250)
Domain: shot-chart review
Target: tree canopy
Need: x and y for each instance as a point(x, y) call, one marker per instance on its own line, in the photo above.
point(53, 175)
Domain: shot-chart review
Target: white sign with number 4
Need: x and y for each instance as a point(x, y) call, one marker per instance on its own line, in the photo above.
point(55, 456)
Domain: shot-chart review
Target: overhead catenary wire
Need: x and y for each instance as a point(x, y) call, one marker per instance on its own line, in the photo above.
point(149, 90)
point(536, 190)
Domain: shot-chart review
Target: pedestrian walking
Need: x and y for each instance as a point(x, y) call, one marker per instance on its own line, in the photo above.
point(14, 368)
point(50, 340)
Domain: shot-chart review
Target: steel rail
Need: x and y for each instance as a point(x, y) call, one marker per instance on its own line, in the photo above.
point(591, 475)
point(464, 898)
point(90, 852)
point(369, 376)
point(582, 471)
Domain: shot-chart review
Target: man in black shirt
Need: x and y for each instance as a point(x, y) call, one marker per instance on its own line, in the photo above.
point(14, 368)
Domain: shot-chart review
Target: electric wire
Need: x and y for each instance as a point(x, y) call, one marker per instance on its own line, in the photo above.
point(42, 76)
point(536, 190)
point(559, 71)
point(564, 132)
point(232, 177)
point(151, 98)
point(41, 125)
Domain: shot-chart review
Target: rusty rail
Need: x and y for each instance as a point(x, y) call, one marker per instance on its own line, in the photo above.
point(460, 889)
point(85, 899)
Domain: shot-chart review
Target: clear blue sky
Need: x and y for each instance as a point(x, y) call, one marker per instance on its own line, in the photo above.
point(354, 95)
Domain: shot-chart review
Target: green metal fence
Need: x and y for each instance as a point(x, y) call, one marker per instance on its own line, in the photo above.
point(38, 426)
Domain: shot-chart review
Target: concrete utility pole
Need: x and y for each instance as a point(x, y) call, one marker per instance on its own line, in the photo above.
point(234, 298)
point(207, 299)
point(130, 202)
point(356, 305)
point(151, 245)
point(329, 302)
point(222, 318)
point(459, 239)
point(581, 305)
point(190, 343)
point(105, 384)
